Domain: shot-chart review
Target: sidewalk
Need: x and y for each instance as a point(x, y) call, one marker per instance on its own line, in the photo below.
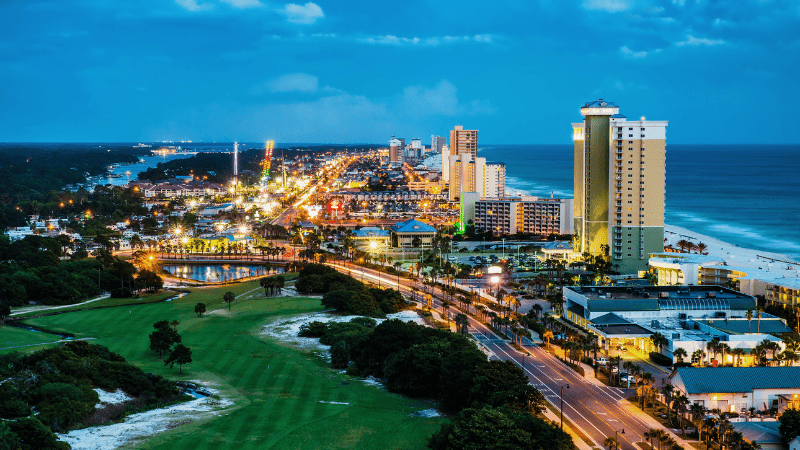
point(653, 423)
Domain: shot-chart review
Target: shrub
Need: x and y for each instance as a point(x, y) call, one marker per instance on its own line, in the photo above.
point(121, 293)
point(660, 359)
point(314, 329)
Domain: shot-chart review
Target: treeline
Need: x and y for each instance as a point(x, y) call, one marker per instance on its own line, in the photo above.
point(496, 406)
point(31, 269)
point(346, 294)
point(218, 167)
point(31, 176)
point(51, 391)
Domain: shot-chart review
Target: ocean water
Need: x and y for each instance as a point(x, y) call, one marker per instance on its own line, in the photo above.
point(747, 195)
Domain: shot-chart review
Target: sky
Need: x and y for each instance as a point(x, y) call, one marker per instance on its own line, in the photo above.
point(357, 71)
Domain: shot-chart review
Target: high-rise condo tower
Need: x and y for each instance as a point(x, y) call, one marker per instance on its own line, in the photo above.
point(619, 177)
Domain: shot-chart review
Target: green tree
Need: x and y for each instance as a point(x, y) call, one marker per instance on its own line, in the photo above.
point(5, 311)
point(790, 425)
point(8, 439)
point(228, 298)
point(199, 309)
point(35, 435)
point(162, 339)
point(680, 353)
point(149, 281)
point(179, 355)
point(487, 428)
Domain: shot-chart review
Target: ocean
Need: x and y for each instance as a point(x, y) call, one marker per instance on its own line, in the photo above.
point(742, 194)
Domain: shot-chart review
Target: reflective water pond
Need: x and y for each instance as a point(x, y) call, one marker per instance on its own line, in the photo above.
point(220, 272)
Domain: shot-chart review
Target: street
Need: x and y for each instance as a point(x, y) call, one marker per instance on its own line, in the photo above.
point(594, 409)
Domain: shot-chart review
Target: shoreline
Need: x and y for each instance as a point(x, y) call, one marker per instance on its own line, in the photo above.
point(733, 254)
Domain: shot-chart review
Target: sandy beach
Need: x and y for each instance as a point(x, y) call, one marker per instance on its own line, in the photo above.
point(731, 253)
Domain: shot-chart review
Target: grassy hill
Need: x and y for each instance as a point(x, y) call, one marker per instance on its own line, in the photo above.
point(276, 389)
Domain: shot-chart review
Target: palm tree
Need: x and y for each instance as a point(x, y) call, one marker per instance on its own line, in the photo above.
point(737, 353)
point(684, 245)
point(659, 340)
point(612, 443)
point(680, 402)
point(547, 335)
point(713, 347)
point(710, 423)
point(667, 391)
point(701, 248)
point(680, 353)
point(749, 318)
point(615, 361)
point(758, 315)
point(462, 324)
point(699, 355)
point(723, 347)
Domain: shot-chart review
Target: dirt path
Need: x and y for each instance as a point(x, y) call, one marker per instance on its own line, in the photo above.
point(47, 308)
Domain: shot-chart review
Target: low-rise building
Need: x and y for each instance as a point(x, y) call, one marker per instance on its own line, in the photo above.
point(689, 317)
point(412, 233)
point(531, 215)
point(365, 236)
point(737, 389)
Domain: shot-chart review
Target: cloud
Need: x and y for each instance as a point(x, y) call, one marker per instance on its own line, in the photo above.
point(441, 99)
point(291, 82)
point(696, 42)
point(434, 41)
point(306, 14)
point(192, 5)
point(607, 5)
point(242, 4)
point(628, 53)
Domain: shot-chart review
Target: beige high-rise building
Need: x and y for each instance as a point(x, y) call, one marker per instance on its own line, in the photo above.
point(467, 174)
point(463, 141)
point(619, 179)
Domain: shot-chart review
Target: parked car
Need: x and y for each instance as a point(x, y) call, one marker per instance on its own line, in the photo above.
point(601, 361)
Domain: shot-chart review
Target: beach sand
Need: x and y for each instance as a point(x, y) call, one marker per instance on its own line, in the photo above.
point(732, 254)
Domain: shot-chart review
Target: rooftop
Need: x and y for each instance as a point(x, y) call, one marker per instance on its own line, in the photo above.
point(600, 103)
point(662, 293)
point(709, 380)
point(771, 325)
point(412, 226)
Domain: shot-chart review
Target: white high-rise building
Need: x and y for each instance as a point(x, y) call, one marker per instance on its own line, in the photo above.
point(494, 180)
point(445, 164)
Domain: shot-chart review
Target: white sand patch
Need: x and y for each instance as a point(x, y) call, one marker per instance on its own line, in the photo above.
point(285, 329)
point(142, 425)
point(333, 403)
point(427, 413)
point(372, 381)
point(111, 398)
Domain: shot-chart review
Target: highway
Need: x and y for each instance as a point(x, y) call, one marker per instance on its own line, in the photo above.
point(596, 410)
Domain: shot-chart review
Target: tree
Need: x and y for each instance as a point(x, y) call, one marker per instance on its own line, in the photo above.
point(498, 428)
point(8, 439)
point(5, 311)
point(149, 281)
point(659, 340)
point(680, 353)
point(174, 324)
point(179, 355)
point(162, 339)
point(612, 443)
point(228, 298)
point(790, 425)
point(199, 309)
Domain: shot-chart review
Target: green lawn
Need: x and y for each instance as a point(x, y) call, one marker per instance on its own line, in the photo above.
point(17, 337)
point(276, 389)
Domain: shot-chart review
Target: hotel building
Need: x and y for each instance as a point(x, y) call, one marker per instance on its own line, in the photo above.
point(619, 178)
point(463, 141)
point(542, 216)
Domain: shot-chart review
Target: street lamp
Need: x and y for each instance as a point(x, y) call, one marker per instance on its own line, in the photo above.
point(616, 437)
point(562, 405)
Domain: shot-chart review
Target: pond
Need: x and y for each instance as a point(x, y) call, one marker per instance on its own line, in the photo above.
point(220, 272)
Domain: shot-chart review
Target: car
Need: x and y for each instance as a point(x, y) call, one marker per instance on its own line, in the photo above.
point(625, 378)
point(601, 361)
point(623, 349)
point(452, 258)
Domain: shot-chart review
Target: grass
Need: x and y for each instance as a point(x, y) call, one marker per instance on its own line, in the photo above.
point(103, 303)
point(276, 389)
point(11, 337)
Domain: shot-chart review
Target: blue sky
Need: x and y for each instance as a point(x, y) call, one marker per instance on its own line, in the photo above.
point(723, 71)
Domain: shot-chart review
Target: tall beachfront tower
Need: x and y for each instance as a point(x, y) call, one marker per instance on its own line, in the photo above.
point(463, 141)
point(619, 177)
